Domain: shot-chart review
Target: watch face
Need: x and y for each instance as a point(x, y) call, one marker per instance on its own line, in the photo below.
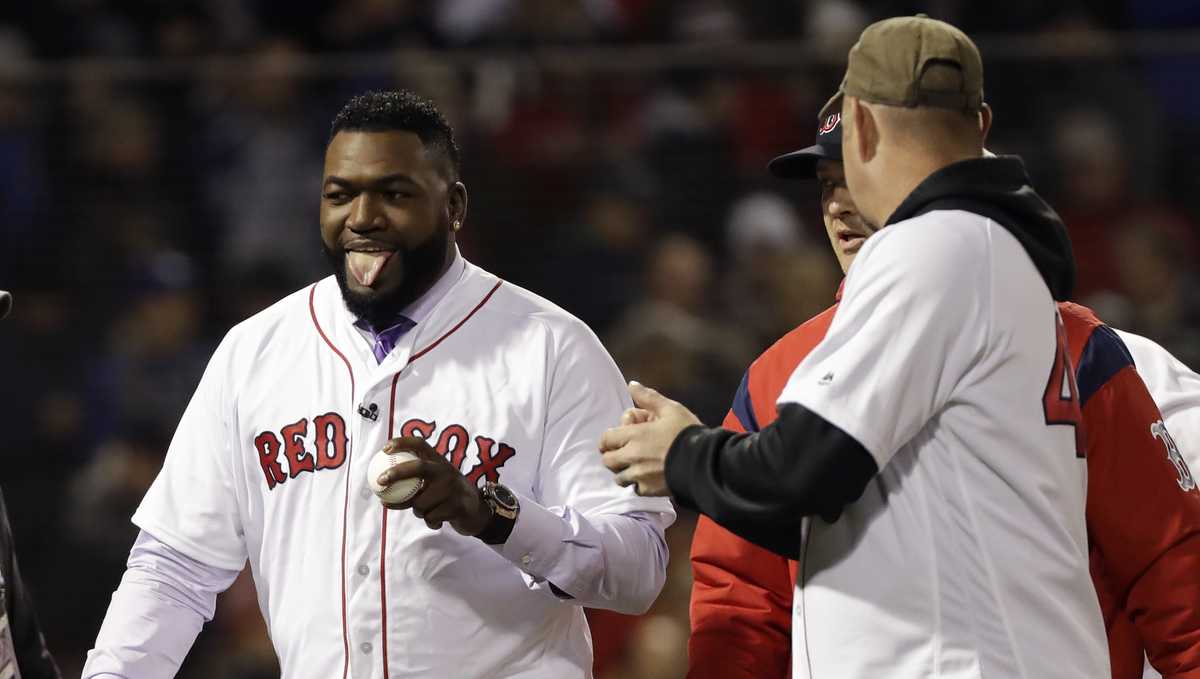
point(504, 496)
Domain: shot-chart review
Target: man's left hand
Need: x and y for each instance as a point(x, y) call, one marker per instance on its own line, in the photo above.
point(637, 451)
point(448, 497)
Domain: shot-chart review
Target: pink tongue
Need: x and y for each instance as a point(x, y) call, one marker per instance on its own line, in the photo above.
point(365, 266)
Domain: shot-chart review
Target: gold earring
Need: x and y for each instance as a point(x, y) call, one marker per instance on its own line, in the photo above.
point(457, 225)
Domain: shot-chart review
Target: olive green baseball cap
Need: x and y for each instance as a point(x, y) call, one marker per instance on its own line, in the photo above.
point(889, 62)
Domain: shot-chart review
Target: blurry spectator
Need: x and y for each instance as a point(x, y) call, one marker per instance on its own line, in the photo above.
point(1158, 271)
point(1094, 193)
point(104, 494)
point(707, 21)
point(375, 24)
point(596, 271)
point(776, 280)
point(155, 351)
point(24, 191)
point(835, 25)
point(690, 144)
point(1096, 201)
point(185, 30)
point(672, 336)
point(524, 21)
point(267, 141)
point(116, 153)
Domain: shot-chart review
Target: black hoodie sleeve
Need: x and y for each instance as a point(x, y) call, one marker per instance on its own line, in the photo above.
point(760, 486)
point(33, 658)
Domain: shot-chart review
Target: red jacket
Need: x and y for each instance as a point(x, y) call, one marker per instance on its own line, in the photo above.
point(1143, 530)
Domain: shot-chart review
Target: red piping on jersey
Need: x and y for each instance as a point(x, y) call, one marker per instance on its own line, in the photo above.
point(383, 542)
point(346, 500)
point(449, 332)
point(391, 432)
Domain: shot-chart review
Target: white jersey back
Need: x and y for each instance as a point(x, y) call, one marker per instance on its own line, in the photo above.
point(966, 556)
point(269, 463)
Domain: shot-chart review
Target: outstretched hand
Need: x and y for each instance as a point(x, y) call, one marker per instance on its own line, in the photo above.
point(636, 451)
point(447, 497)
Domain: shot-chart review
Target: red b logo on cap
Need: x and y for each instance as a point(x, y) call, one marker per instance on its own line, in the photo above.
point(830, 123)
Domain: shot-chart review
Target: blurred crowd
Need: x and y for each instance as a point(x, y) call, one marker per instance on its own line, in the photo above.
point(145, 212)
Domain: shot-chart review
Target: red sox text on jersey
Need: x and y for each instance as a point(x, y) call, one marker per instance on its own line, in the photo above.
point(305, 447)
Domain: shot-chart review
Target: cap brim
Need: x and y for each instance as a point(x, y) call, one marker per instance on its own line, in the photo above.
point(802, 164)
point(834, 105)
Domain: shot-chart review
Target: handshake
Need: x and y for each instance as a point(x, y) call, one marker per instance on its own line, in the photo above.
point(636, 451)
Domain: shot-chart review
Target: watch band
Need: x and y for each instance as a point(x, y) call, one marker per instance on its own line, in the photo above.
point(504, 514)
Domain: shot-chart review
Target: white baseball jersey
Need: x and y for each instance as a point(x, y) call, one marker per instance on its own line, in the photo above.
point(966, 556)
point(1176, 390)
point(269, 464)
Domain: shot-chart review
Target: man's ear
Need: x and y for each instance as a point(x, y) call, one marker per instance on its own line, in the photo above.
point(985, 123)
point(866, 128)
point(457, 203)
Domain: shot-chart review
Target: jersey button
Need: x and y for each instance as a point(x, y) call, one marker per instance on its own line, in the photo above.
point(525, 559)
point(366, 493)
point(363, 570)
point(366, 647)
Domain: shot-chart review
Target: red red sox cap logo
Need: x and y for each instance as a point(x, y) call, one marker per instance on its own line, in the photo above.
point(830, 123)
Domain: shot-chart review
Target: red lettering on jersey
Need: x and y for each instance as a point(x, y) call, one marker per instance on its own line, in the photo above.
point(331, 440)
point(415, 427)
point(458, 452)
point(489, 465)
point(268, 445)
point(293, 448)
point(1060, 401)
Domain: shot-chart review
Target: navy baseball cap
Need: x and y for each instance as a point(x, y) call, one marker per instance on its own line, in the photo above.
point(802, 164)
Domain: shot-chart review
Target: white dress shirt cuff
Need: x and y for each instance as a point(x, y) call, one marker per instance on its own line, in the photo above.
point(536, 545)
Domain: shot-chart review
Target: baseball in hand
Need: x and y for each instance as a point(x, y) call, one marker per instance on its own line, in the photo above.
point(400, 491)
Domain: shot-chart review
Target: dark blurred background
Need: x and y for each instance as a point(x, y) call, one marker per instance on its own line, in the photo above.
point(159, 179)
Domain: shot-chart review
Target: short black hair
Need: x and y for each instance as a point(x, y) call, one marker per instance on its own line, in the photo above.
point(399, 110)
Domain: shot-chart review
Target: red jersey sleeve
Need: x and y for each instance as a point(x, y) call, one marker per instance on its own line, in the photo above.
point(741, 606)
point(1144, 528)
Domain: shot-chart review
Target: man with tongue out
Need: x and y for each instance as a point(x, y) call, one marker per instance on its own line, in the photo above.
point(515, 526)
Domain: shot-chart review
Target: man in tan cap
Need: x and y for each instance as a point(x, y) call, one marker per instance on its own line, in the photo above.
point(926, 465)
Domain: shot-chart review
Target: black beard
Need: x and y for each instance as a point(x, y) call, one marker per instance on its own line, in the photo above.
point(420, 267)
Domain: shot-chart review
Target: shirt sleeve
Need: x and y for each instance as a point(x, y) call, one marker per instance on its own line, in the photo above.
point(1143, 513)
point(193, 504)
point(164, 598)
point(741, 609)
point(601, 545)
point(913, 321)
point(1176, 390)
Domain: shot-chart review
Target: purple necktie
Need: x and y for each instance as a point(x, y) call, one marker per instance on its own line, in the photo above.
point(386, 340)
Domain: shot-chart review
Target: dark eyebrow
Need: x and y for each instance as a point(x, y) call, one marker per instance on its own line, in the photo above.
point(374, 183)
